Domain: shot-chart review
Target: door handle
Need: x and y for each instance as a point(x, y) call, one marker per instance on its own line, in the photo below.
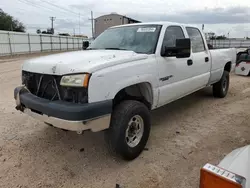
point(189, 62)
point(206, 59)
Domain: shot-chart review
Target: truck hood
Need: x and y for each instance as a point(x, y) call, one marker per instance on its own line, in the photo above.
point(80, 61)
point(238, 161)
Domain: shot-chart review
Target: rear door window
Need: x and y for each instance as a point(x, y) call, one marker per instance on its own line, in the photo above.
point(196, 39)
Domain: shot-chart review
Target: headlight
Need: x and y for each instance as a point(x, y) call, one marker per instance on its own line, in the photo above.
point(78, 80)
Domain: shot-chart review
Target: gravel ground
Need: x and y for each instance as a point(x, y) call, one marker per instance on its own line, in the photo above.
point(185, 135)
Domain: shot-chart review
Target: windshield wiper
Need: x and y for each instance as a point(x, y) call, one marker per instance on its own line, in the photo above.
point(117, 49)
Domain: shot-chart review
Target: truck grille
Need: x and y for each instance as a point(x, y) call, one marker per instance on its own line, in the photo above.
point(48, 87)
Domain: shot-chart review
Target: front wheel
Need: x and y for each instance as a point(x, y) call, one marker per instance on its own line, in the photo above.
point(129, 129)
point(220, 89)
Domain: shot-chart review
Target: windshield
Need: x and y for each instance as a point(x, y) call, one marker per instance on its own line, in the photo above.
point(140, 39)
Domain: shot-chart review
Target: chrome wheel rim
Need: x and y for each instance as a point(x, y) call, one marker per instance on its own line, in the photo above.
point(134, 131)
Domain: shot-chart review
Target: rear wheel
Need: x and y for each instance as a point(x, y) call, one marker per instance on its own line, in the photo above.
point(129, 129)
point(220, 89)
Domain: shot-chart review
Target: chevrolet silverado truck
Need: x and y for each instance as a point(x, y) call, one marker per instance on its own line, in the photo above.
point(125, 73)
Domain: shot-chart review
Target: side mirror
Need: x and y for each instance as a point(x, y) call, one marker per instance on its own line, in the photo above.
point(182, 49)
point(85, 45)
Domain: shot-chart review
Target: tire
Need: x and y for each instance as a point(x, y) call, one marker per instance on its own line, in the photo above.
point(126, 119)
point(220, 89)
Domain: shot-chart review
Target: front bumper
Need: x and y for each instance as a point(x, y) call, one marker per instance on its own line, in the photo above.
point(65, 115)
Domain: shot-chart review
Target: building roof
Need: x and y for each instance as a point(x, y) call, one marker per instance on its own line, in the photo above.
point(136, 21)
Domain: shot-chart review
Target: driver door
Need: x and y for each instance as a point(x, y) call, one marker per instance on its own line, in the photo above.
point(174, 73)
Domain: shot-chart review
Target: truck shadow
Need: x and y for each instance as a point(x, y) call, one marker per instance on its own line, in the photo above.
point(181, 106)
point(73, 154)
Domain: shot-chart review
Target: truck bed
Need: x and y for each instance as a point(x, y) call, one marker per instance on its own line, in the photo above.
point(219, 57)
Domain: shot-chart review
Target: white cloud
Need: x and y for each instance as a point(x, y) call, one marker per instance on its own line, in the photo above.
point(219, 16)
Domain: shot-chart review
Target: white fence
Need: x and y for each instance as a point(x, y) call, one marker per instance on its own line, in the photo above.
point(12, 43)
point(230, 43)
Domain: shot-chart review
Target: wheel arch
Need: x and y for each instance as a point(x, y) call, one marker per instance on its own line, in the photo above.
point(142, 92)
point(228, 66)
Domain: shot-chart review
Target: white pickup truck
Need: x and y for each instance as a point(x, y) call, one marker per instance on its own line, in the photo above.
point(126, 72)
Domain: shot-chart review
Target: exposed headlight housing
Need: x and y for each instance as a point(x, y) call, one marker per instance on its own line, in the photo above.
point(77, 80)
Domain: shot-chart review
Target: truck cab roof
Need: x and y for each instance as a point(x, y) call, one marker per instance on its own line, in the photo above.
point(163, 23)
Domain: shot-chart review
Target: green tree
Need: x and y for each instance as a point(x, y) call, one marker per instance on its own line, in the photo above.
point(221, 37)
point(8, 23)
point(38, 31)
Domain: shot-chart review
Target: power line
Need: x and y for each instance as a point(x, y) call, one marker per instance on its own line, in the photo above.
point(60, 10)
point(64, 9)
point(34, 5)
point(79, 23)
point(59, 7)
point(40, 6)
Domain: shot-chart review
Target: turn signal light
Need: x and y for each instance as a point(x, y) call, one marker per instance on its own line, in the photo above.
point(215, 177)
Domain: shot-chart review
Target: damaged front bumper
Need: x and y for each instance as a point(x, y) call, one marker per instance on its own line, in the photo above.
point(65, 115)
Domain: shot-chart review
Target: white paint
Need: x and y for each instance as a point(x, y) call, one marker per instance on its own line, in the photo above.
point(243, 68)
point(81, 61)
point(238, 162)
point(113, 70)
point(221, 173)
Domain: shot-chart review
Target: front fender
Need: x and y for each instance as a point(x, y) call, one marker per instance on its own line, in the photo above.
point(106, 86)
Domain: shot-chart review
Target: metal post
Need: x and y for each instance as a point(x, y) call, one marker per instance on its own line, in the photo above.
point(10, 43)
point(41, 43)
point(92, 24)
point(29, 43)
point(78, 43)
point(60, 43)
point(73, 39)
point(51, 45)
point(67, 43)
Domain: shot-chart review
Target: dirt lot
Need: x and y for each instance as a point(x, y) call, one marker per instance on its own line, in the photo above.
point(185, 135)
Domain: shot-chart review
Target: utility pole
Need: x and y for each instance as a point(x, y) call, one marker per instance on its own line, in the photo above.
point(92, 24)
point(52, 23)
point(79, 24)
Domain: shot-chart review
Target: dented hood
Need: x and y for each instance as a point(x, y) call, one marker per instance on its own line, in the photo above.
point(80, 61)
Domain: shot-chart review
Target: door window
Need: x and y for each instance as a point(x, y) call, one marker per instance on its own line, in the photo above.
point(172, 33)
point(196, 40)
